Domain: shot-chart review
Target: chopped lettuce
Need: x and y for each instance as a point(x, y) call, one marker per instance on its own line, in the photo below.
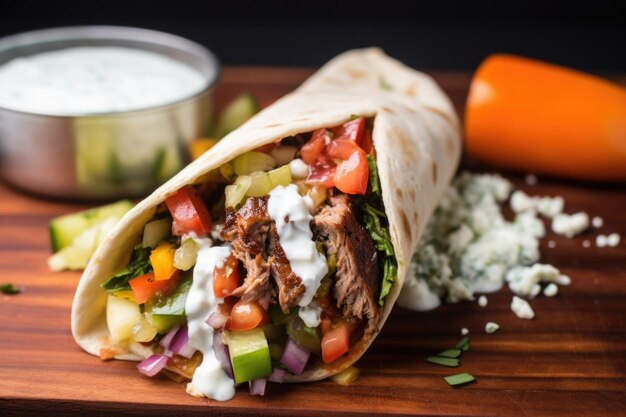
point(139, 265)
point(378, 227)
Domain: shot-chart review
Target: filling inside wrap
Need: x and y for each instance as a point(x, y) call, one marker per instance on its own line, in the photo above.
point(276, 262)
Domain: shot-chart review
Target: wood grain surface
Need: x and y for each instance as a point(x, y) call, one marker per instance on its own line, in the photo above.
point(569, 361)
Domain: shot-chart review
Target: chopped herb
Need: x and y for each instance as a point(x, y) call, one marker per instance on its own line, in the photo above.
point(437, 360)
point(465, 347)
point(377, 225)
point(139, 265)
point(354, 117)
point(9, 288)
point(384, 85)
point(491, 327)
point(459, 379)
point(450, 353)
point(464, 341)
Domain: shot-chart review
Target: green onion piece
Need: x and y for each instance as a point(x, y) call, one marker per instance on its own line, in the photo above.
point(450, 353)
point(451, 362)
point(464, 341)
point(465, 347)
point(9, 289)
point(459, 379)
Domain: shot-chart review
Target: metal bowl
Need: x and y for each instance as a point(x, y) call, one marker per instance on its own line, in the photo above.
point(103, 156)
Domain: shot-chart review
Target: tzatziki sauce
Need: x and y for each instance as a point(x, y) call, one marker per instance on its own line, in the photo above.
point(209, 379)
point(92, 80)
point(290, 211)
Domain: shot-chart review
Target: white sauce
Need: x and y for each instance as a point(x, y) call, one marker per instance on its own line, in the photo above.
point(290, 211)
point(90, 80)
point(310, 315)
point(522, 309)
point(209, 379)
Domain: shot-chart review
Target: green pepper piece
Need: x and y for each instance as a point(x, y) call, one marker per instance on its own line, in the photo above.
point(170, 311)
point(249, 355)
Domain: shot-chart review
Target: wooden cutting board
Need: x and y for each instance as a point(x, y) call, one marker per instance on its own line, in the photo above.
point(569, 361)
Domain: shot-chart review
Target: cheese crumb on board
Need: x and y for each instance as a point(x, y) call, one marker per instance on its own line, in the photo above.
point(464, 331)
point(597, 222)
point(570, 225)
point(551, 290)
point(613, 240)
point(491, 327)
point(482, 301)
point(525, 280)
point(521, 308)
point(547, 206)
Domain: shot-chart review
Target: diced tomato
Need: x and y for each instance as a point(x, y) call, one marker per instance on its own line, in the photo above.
point(311, 150)
point(266, 148)
point(189, 212)
point(325, 325)
point(335, 343)
point(367, 144)
point(226, 279)
point(352, 130)
point(146, 287)
point(352, 175)
point(339, 162)
point(247, 315)
point(322, 175)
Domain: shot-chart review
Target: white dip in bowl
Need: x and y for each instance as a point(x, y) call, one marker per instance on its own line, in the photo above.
point(92, 80)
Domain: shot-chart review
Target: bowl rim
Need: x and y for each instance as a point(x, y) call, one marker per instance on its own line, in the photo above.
point(120, 33)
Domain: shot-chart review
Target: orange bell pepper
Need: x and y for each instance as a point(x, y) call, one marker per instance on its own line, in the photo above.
point(542, 118)
point(162, 260)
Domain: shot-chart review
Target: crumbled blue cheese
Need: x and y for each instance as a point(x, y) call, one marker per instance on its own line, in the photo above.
point(570, 225)
point(547, 206)
point(468, 245)
point(597, 222)
point(521, 308)
point(464, 331)
point(551, 290)
point(491, 327)
point(525, 280)
point(613, 239)
point(482, 301)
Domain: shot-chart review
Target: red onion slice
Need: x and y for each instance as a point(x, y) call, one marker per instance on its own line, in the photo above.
point(217, 320)
point(166, 341)
point(222, 354)
point(278, 375)
point(295, 357)
point(152, 365)
point(180, 343)
point(257, 386)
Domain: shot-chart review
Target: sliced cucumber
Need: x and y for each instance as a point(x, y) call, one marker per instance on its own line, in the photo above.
point(64, 229)
point(77, 255)
point(235, 114)
point(251, 162)
point(122, 315)
point(156, 231)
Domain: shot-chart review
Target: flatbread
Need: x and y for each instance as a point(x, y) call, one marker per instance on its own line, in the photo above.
point(417, 141)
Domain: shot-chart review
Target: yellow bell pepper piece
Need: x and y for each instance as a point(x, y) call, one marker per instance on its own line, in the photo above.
point(200, 146)
point(162, 260)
